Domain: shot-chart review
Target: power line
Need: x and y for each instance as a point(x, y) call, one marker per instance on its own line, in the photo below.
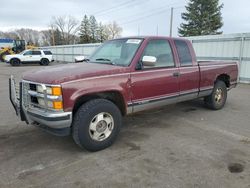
point(150, 10)
point(149, 15)
point(114, 8)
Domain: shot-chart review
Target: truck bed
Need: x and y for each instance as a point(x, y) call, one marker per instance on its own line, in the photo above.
point(210, 70)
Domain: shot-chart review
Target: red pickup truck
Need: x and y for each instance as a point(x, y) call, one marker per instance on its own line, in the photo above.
point(123, 76)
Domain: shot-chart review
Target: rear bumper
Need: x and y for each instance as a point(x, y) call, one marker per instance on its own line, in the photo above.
point(57, 123)
point(233, 85)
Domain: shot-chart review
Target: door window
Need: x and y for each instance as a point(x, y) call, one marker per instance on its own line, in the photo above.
point(28, 53)
point(36, 53)
point(160, 49)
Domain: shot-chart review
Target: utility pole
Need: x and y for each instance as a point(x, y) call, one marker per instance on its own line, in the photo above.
point(171, 22)
point(53, 37)
point(138, 30)
point(157, 30)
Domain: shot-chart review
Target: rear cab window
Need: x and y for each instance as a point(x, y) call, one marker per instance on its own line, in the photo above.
point(47, 52)
point(184, 53)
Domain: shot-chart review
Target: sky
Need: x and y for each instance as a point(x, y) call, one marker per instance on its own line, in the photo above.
point(136, 17)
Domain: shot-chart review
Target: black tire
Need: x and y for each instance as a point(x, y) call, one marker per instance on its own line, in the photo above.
point(84, 117)
point(15, 62)
point(215, 102)
point(44, 62)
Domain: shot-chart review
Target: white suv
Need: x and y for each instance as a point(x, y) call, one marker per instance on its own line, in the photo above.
point(43, 57)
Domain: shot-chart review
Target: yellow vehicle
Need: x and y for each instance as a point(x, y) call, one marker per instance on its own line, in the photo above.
point(9, 46)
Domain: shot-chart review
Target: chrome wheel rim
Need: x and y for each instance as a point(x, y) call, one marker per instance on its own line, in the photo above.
point(218, 95)
point(101, 126)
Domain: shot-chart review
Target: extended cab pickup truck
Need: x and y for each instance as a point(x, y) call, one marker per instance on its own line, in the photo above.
point(123, 76)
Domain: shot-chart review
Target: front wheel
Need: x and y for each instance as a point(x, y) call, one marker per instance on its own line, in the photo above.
point(96, 124)
point(15, 62)
point(218, 97)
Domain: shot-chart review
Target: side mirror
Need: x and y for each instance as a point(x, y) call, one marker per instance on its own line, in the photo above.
point(79, 59)
point(149, 61)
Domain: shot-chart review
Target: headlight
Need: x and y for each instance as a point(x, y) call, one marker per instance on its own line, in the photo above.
point(56, 103)
point(41, 101)
point(57, 91)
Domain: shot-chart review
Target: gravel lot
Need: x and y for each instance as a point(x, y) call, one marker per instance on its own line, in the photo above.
point(182, 145)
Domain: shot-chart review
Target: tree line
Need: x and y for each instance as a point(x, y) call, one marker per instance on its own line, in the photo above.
point(65, 30)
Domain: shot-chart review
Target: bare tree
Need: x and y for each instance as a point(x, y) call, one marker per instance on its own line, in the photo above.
point(29, 35)
point(47, 39)
point(113, 30)
point(67, 25)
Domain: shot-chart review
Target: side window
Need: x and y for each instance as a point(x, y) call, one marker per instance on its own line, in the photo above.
point(160, 49)
point(36, 53)
point(47, 52)
point(28, 53)
point(183, 53)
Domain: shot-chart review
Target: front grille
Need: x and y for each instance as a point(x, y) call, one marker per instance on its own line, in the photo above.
point(32, 99)
point(28, 100)
point(25, 95)
point(32, 87)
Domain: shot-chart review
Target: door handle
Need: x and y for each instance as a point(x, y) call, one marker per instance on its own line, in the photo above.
point(176, 74)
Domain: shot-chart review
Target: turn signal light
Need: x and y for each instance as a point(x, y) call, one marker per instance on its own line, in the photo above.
point(56, 91)
point(58, 105)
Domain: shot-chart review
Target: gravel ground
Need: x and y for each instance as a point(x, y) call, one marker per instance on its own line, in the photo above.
point(182, 145)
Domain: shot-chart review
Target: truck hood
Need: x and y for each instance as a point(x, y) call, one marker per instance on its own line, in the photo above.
point(64, 73)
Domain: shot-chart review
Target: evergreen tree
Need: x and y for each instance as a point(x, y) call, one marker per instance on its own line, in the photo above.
point(85, 30)
point(93, 29)
point(203, 17)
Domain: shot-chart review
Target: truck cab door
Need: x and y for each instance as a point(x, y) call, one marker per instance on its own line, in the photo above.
point(189, 71)
point(158, 85)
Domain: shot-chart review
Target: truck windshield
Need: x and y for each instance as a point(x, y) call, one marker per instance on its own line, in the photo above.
point(116, 52)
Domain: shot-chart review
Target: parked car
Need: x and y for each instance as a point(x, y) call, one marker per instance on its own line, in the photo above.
point(79, 59)
point(123, 76)
point(43, 57)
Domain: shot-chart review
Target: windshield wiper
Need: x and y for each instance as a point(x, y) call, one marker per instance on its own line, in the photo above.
point(102, 59)
point(105, 61)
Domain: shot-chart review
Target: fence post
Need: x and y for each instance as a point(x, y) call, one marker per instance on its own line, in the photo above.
point(241, 56)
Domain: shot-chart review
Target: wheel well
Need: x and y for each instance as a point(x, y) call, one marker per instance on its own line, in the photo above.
point(225, 78)
point(15, 58)
point(44, 58)
point(112, 96)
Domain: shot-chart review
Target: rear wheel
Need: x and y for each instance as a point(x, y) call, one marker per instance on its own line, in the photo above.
point(15, 62)
point(44, 62)
point(218, 97)
point(96, 124)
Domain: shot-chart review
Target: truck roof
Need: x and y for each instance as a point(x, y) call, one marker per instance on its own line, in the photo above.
point(153, 37)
